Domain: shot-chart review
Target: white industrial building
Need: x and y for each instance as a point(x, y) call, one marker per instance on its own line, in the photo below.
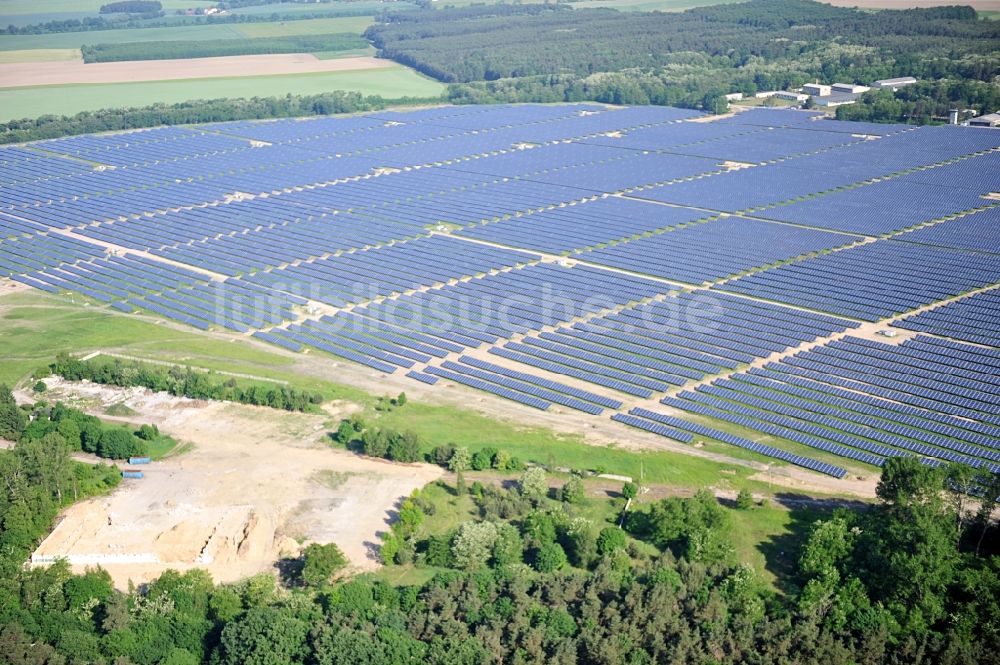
point(849, 88)
point(816, 89)
point(894, 84)
point(836, 99)
point(791, 96)
point(986, 120)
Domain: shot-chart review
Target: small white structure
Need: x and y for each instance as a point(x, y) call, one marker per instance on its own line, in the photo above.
point(836, 99)
point(894, 84)
point(849, 88)
point(816, 89)
point(734, 96)
point(765, 95)
point(791, 96)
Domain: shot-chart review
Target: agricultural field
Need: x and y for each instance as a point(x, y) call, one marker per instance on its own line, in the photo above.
point(68, 40)
point(70, 86)
point(49, 74)
point(390, 82)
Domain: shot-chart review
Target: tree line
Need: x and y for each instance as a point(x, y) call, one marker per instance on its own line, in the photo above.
point(198, 111)
point(132, 7)
point(183, 382)
point(167, 50)
point(37, 479)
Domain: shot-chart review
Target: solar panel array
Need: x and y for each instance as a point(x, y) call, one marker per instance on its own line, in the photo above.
point(867, 401)
point(568, 258)
point(973, 319)
point(715, 250)
point(873, 281)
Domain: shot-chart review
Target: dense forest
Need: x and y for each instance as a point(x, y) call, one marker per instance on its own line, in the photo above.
point(132, 7)
point(197, 111)
point(914, 579)
point(503, 41)
point(221, 47)
point(183, 382)
point(548, 53)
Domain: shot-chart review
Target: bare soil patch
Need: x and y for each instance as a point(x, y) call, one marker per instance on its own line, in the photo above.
point(75, 71)
point(253, 486)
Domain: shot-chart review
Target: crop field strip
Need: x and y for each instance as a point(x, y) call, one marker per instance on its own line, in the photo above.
point(403, 241)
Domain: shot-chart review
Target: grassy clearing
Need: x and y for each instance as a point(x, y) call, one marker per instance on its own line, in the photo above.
point(162, 446)
point(34, 327)
point(439, 425)
point(119, 409)
point(34, 101)
point(40, 55)
point(316, 26)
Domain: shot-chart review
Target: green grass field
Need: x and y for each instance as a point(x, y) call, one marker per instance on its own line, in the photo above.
point(64, 40)
point(22, 7)
point(78, 39)
point(34, 327)
point(34, 101)
point(439, 425)
point(316, 26)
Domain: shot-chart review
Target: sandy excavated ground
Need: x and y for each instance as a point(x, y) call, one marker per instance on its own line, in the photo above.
point(75, 71)
point(254, 482)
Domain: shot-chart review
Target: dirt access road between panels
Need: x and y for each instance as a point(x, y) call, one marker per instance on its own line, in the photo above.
point(75, 71)
point(252, 484)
